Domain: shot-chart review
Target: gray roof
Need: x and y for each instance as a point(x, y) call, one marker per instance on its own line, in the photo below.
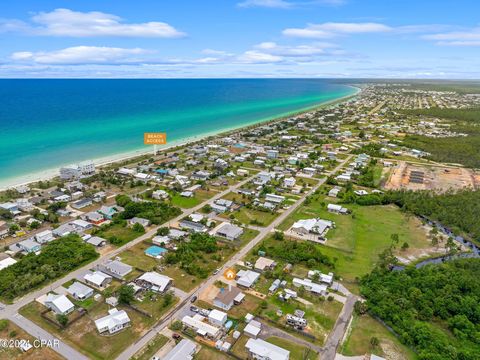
point(183, 351)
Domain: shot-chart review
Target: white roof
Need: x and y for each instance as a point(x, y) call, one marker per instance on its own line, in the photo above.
point(7, 262)
point(97, 277)
point(156, 279)
point(313, 225)
point(217, 315)
point(113, 319)
point(200, 326)
point(266, 350)
point(182, 351)
point(310, 285)
point(79, 289)
point(252, 328)
point(61, 302)
point(247, 278)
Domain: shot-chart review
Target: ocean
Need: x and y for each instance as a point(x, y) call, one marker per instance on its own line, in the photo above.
point(45, 124)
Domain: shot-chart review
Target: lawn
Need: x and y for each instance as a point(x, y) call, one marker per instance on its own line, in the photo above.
point(358, 239)
point(247, 216)
point(11, 332)
point(297, 352)
point(363, 328)
point(124, 233)
point(184, 202)
point(135, 256)
point(83, 334)
point(207, 353)
point(151, 348)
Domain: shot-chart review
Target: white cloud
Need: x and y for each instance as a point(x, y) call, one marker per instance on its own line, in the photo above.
point(457, 38)
point(65, 22)
point(331, 29)
point(258, 57)
point(278, 4)
point(295, 51)
point(82, 55)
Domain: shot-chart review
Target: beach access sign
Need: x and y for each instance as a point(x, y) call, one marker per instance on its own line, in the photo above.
point(154, 138)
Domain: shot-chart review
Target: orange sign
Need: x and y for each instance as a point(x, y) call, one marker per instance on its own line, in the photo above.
point(229, 274)
point(155, 138)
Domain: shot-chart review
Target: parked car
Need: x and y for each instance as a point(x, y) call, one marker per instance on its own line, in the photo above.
point(193, 298)
point(176, 336)
point(193, 308)
point(216, 271)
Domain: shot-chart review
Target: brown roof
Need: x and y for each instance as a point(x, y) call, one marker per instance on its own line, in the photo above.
point(228, 294)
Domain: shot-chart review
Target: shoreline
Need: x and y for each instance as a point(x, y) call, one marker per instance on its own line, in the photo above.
point(49, 174)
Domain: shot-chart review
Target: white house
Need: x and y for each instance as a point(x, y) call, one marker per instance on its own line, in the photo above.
point(311, 226)
point(154, 281)
point(114, 322)
point(217, 317)
point(318, 289)
point(228, 297)
point(259, 349)
point(229, 231)
point(44, 236)
point(200, 327)
point(80, 291)
point(276, 199)
point(289, 182)
point(184, 350)
point(7, 262)
point(98, 279)
point(247, 278)
point(59, 304)
point(337, 209)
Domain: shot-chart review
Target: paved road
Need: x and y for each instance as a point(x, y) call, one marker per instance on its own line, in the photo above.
point(336, 335)
point(63, 349)
point(183, 307)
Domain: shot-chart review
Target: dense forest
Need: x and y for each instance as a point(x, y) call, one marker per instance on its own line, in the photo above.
point(434, 310)
point(56, 259)
point(462, 150)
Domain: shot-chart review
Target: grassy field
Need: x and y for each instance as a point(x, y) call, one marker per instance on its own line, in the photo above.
point(363, 328)
point(135, 256)
point(246, 216)
point(11, 332)
point(207, 353)
point(297, 352)
point(151, 348)
point(84, 336)
point(358, 239)
point(124, 233)
point(189, 202)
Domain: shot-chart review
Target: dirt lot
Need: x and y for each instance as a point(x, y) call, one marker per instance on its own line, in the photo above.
point(427, 177)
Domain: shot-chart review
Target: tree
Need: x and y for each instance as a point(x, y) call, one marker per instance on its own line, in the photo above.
point(278, 235)
point(62, 319)
point(167, 299)
point(137, 227)
point(374, 341)
point(405, 246)
point(360, 307)
point(126, 294)
point(163, 231)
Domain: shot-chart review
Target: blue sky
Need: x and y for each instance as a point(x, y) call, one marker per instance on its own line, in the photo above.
point(242, 38)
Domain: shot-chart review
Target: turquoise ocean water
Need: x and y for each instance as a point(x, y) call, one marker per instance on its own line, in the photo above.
point(45, 124)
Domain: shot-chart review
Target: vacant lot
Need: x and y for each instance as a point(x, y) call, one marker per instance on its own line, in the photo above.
point(297, 352)
point(124, 234)
point(365, 327)
point(135, 256)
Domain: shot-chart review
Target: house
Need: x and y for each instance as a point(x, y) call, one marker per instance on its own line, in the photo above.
point(289, 182)
point(115, 321)
point(109, 211)
point(192, 226)
point(253, 328)
point(247, 278)
point(264, 263)
point(242, 172)
point(64, 230)
point(272, 154)
point(219, 209)
point(259, 349)
point(141, 221)
point(229, 231)
point(334, 191)
point(81, 225)
point(29, 245)
point(97, 279)
point(12, 207)
point(44, 236)
point(361, 192)
point(228, 297)
point(154, 281)
point(296, 321)
point(337, 209)
point(312, 226)
point(59, 304)
point(3, 229)
point(276, 199)
point(94, 218)
point(116, 268)
point(263, 178)
point(80, 291)
point(200, 327)
point(82, 203)
point(324, 278)
point(317, 289)
point(160, 195)
point(7, 262)
point(217, 317)
point(275, 285)
point(184, 350)
point(309, 171)
point(96, 241)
